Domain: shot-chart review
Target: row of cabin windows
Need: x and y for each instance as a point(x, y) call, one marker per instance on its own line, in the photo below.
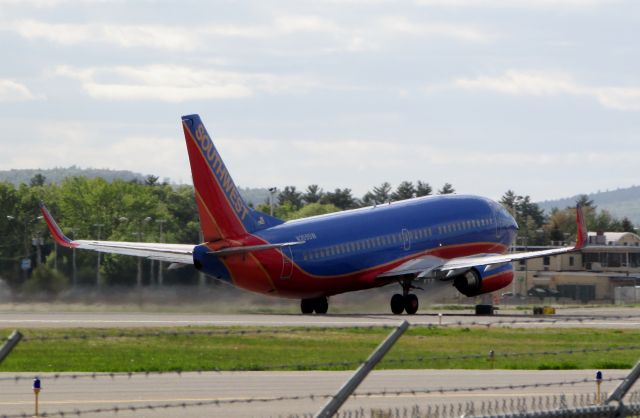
point(393, 239)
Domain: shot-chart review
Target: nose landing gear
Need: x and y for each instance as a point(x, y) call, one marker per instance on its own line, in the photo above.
point(407, 302)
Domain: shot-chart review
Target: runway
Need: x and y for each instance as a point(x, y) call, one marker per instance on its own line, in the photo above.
point(575, 318)
point(84, 394)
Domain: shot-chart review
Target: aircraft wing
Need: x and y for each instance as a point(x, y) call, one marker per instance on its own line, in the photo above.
point(173, 253)
point(430, 266)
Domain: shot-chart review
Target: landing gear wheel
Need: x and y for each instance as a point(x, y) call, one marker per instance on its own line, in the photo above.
point(397, 304)
point(411, 304)
point(306, 306)
point(321, 305)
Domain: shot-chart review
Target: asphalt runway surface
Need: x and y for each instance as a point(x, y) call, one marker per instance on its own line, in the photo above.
point(582, 318)
point(88, 393)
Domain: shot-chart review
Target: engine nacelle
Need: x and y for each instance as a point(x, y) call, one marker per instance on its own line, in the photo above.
point(476, 281)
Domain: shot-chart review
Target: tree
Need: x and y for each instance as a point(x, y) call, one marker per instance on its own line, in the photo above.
point(313, 209)
point(627, 225)
point(341, 198)
point(313, 194)
point(584, 201)
point(379, 194)
point(151, 180)
point(509, 200)
point(405, 190)
point(447, 188)
point(37, 180)
point(423, 189)
point(292, 196)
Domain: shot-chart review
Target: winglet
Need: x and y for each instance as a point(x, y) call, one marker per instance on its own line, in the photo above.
point(581, 229)
point(55, 230)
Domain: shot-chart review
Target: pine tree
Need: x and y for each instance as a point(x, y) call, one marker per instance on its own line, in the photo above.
point(447, 188)
point(405, 190)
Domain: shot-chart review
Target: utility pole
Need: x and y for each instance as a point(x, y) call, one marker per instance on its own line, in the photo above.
point(272, 192)
point(98, 283)
point(151, 280)
point(74, 277)
point(160, 276)
point(139, 273)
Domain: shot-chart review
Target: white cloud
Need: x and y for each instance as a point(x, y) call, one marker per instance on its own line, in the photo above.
point(126, 36)
point(528, 83)
point(401, 24)
point(11, 91)
point(524, 4)
point(178, 84)
point(301, 23)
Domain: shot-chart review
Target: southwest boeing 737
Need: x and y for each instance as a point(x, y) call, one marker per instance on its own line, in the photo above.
point(454, 239)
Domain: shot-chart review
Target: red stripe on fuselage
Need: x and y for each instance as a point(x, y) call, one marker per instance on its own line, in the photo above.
point(302, 284)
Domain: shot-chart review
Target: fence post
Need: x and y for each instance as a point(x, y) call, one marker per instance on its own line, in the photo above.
point(13, 339)
point(352, 384)
point(625, 385)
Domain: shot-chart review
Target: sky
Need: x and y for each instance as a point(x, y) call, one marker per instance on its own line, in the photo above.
point(537, 96)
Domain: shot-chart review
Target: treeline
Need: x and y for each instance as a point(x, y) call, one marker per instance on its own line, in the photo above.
point(293, 204)
point(560, 225)
point(92, 209)
point(150, 211)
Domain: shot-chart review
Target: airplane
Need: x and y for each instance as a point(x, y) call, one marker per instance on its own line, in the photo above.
point(456, 240)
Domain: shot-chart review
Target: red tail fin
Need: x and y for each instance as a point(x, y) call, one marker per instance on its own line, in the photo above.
point(223, 212)
point(582, 235)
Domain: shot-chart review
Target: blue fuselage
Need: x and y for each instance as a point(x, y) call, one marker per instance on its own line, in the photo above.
point(378, 238)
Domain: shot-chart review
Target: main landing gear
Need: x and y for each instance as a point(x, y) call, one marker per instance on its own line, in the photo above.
point(318, 305)
point(407, 302)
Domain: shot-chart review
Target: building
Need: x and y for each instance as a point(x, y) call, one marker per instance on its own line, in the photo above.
point(611, 260)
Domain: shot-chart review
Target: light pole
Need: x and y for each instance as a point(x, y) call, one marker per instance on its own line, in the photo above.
point(74, 277)
point(160, 277)
point(36, 241)
point(147, 220)
point(99, 226)
point(272, 192)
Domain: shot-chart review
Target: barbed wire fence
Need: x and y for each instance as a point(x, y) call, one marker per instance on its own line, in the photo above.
point(542, 406)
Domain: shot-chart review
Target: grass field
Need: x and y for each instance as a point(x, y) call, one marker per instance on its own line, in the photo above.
point(105, 350)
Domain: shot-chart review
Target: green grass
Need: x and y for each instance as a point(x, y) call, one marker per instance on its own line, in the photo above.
point(298, 349)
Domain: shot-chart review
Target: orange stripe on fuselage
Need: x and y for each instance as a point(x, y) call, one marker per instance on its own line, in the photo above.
point(302, 284)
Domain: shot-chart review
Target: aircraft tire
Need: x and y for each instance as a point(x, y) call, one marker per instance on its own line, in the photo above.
point(306, 306)
point(397, 304)
point(411, 304)
point(321, 305)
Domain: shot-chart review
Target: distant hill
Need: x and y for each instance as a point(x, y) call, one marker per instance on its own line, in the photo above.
point(56, 175)
point(619, 202)
point(253, 196)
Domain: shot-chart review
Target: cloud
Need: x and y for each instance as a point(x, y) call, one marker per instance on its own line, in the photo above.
point(126, 36)
point(528, 83)
point(522, 4)
point(11, 91)
point(403, 25)
point(177, 83)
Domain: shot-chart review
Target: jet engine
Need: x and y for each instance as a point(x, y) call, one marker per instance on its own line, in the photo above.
point(477, 280)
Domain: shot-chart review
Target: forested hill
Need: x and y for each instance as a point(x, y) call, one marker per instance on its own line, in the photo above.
point(619, 202)
point(56, 175)
point(253, 196)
